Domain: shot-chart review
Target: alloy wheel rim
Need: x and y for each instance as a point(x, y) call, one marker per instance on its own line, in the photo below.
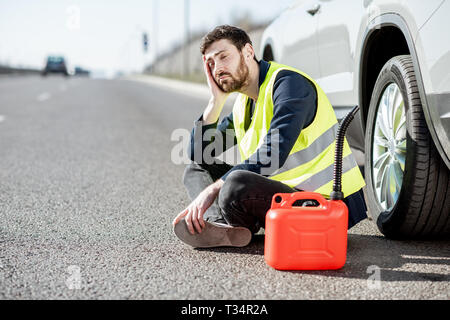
point(389, 147)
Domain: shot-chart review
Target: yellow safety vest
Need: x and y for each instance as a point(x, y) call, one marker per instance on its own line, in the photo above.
point(310, 163)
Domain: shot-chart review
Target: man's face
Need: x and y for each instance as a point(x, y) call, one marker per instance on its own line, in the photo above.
point(227, 65)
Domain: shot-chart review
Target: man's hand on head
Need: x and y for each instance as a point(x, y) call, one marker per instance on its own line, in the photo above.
point(217, 94)
point(218, 97)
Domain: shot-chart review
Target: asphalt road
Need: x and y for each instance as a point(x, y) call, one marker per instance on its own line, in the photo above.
point(88, 191)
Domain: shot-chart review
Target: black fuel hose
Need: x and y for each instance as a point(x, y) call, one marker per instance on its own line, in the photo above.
point(337, 193)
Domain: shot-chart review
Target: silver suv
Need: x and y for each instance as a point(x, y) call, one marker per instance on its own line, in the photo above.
point(390, 58)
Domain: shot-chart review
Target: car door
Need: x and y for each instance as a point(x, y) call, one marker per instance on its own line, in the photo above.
point(337, 32)
point(299, 37)
point(339, 22)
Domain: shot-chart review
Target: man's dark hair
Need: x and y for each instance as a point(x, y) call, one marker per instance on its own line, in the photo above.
point(238, 37)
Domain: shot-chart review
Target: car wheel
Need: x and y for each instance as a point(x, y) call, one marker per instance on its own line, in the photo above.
point(408, 185)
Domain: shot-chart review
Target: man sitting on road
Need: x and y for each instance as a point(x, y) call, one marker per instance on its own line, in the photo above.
point(285, 129)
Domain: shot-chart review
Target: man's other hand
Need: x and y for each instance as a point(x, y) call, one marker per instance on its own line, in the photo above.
point(193, 214)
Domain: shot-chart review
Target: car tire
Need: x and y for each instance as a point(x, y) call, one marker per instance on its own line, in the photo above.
point(418, 204)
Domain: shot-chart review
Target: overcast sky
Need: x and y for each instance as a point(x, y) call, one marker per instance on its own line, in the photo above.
point(107, 34)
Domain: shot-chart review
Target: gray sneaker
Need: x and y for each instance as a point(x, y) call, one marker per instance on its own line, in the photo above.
point(214, 235)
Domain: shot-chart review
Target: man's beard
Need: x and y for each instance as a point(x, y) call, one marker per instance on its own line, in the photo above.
point(235, 83)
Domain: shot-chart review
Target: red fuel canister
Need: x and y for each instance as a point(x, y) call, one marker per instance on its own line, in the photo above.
point(310, 237)
point(305, 238)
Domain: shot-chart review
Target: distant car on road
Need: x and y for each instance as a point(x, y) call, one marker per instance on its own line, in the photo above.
point(55, 64)
point(79, 71)
point(391, 58)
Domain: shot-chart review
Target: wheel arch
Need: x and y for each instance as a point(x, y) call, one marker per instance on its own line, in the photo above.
point(267, 51)
point(375, 53)
point(381, 28)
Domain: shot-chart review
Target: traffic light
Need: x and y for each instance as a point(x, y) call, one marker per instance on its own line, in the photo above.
point(145, 41)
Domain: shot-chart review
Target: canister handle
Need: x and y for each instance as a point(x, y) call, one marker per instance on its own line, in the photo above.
point(286, 200)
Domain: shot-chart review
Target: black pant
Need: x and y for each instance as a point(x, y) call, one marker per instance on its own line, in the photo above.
point(245, 197)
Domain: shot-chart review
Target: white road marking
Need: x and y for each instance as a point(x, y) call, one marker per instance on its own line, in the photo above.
point(43, 96)
point(424, 257)
point(2, 118)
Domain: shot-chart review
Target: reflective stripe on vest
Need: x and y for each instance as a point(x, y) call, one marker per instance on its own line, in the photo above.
point(310, 163)
point(323, 177)
point(314, 150)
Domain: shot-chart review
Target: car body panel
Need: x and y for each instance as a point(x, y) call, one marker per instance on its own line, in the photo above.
point(302, 46)
point(337, 38)
point(343, 27)
point(434, 56)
